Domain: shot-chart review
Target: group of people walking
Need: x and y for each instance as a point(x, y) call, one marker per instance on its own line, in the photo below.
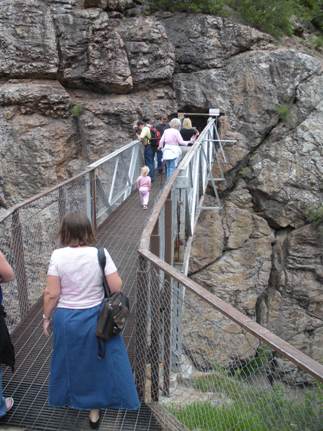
point(80, 378)
point(164, 141)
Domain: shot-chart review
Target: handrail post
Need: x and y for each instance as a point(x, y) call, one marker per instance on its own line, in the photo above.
point(141, 326)
point(155, 316)
point(20, 268)
point(167, 302)
point(93, 199)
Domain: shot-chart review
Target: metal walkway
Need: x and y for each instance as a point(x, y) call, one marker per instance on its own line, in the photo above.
point(120, 234)
point(186, 345)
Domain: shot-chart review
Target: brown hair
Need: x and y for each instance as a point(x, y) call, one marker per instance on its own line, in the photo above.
point(76, 230)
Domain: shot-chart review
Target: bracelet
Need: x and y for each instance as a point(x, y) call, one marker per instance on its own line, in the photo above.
point(45, 318)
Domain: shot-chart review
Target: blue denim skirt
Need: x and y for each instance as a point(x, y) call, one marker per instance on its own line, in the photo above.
point(78, 378)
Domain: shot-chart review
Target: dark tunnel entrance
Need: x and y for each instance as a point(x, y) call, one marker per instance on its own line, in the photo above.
point(198, 117)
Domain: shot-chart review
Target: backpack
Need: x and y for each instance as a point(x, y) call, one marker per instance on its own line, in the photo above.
point(155, 137)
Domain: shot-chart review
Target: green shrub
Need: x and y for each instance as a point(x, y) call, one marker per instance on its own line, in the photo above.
point(283, 112)
point(315, 215)
point(76, 110)
point(317, 41)
point(246, 172)
point(251, 409)
point(270, 16)
point(312, 11)
point(195, 6)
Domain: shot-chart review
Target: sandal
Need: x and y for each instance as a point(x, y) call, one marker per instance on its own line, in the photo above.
point(9, 401)
point(95, 424)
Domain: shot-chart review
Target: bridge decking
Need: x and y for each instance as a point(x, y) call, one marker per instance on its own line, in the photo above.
point(120, 234)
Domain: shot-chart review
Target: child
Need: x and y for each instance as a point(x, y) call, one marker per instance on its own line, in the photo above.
point(143, 184)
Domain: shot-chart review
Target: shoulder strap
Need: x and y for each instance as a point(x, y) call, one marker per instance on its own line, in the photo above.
point(102, 261)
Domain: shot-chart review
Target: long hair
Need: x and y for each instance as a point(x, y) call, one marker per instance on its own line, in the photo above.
point(76, 230)
point(187, 123)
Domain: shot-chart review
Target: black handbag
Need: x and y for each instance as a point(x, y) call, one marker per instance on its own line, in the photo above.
point(7, 351)
point(114, 308)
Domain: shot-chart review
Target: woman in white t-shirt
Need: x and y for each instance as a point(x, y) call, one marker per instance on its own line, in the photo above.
point(72, 298)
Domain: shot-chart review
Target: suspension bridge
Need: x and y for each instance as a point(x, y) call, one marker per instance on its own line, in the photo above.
point(187, 347)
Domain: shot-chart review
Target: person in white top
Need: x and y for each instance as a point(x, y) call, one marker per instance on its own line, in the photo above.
point(72, 301)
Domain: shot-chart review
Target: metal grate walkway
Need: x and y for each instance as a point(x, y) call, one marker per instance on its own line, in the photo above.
point(120, 234)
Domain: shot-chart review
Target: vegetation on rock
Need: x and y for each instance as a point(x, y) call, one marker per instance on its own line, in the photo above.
point(245, 407)
point(276, 17)
point(283, 112)
point(76, 110)
point(315, 215)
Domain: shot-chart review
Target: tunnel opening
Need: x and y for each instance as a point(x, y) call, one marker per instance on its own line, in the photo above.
point(199, 117)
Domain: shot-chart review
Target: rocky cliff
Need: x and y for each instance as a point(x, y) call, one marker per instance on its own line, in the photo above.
point(75, 74)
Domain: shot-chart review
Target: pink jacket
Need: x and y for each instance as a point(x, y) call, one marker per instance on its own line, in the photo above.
point(143, 182)
point(172, 137)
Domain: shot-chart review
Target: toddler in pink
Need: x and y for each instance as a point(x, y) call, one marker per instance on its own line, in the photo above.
point(143, 184)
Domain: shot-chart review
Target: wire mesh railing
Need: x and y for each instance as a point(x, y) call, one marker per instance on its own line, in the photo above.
point(29, 230)
point(227, 377)
point(206, 365)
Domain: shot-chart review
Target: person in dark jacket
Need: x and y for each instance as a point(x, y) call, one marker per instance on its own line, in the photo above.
point(6, 274)
point(188, 132)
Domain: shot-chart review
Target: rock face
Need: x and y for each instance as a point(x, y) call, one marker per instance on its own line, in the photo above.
point(151, 55)
point(37, 137)
point(27, 40)
point(240, 273)
point(114, 64)
point(206, 42)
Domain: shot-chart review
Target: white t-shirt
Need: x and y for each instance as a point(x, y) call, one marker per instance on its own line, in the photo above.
point(80, 276)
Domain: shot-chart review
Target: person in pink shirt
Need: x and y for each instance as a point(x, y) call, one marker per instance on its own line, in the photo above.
point(170, 145)
point(143, 184)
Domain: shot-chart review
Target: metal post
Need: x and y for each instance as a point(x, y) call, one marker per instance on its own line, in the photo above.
point(93, 198)
point(114, 180)
point(132, 170)
point(167, 302)
point(177, 290)
point(141, 327)
point(20, 268)
point(155, 317)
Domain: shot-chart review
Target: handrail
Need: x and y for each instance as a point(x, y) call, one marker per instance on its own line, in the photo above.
point(89, 169)
point(147, 232)
point(112, 155)
point(188, 157)
point(296, 356)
